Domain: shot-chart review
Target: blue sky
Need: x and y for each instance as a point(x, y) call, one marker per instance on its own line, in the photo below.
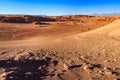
point(58, 7)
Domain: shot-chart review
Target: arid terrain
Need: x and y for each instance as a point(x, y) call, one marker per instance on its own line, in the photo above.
point(77, 47)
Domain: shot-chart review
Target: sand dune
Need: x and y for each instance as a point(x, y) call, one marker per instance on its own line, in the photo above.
point(111, 30)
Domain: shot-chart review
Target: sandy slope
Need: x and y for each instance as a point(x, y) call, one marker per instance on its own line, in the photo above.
point(93, 55)
point(111, 30)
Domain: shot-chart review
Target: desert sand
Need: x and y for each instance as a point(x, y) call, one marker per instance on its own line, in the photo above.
point(60, 50)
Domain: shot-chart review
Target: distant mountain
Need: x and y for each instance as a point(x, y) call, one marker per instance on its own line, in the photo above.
point(107, 14)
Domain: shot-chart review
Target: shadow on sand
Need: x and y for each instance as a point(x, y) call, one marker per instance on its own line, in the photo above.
point(25, 69)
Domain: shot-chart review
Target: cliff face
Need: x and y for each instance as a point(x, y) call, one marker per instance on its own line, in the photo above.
point(75, 18)
point(85, 18)
point(71, 20)
point(23, 19)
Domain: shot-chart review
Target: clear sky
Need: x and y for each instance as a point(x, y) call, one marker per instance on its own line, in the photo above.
point(58, 7)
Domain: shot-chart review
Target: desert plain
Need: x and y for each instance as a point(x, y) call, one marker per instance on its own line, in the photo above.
point(75, 47)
